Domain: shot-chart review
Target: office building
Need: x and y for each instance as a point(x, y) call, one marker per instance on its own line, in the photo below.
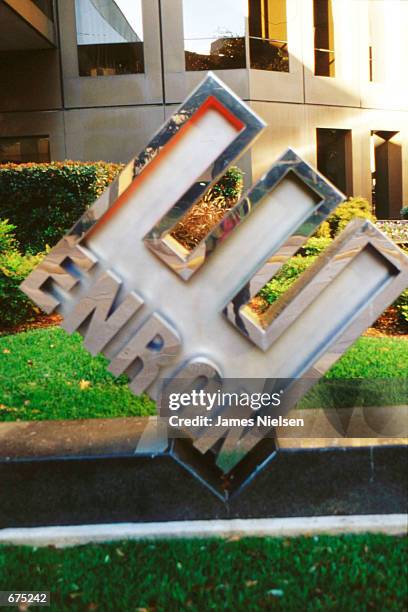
point(93, 79)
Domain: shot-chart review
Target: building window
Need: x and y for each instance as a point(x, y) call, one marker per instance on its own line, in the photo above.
point(109, 37)
point(386, 173)
point(268, 39)
point(323, 38)
point(214, 34)
point(334, 158)
point(23, 149)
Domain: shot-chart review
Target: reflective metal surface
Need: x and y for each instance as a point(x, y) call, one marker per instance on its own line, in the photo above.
point(109, 280)
point(286, 239)
point(208, 95)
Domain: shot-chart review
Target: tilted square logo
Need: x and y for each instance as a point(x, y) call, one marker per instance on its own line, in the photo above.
point(160, 312)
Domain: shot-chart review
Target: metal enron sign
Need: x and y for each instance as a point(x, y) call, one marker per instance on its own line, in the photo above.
point(161, 313)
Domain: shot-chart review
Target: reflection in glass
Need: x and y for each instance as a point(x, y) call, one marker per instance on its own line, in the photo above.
point(387, 173)
point(23, 149)
point(334, 157)
point(268, 40)
point(324, 38)
point(109, 37)
point(214, 34)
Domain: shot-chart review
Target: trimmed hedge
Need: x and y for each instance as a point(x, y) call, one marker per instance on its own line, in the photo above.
point(44, 200)
point(40, 202)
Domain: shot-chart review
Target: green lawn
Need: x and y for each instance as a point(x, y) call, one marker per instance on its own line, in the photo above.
point(46, 374)
point(347, 573)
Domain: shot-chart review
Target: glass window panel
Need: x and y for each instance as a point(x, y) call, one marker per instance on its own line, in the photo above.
point(334, 157)
point(25, 149)
point(109, 37)
point(268, 39)
point(386, 173)
point(214, 34)
point(324, 38)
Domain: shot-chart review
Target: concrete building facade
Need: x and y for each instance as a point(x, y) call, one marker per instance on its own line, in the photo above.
point(86, 80)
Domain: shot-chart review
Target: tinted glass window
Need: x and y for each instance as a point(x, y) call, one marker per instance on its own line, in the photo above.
point(25, 149)
point(268, 39)
point(109, 37)
point(214, 34)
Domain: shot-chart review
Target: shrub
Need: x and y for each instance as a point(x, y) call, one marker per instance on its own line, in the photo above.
point(315, 246)
point(208, 211)
point(395, 229)
point(323, 231)
point(44, 200)
point(7, 238)
point(293, 268)
point(402, 307)
point(15, 307)
point(230, 185)
point(344, 213)
point(286, 276)
point(404, 212)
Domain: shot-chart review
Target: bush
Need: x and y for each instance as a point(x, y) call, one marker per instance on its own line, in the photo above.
point(208, 211)
point(404, 212)
point(15, 307)
point(323, 231)
point(44, 200)
point(344, 213)
point(230, 185)
point(293, 268)
point(315, 246)
point(8, 241)
point(286, 276)
point(395, 229)
point(402, 307)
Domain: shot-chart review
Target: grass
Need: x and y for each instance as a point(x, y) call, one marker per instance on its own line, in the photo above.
point(46, 374)
point(384, 358)
point(355, 572)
